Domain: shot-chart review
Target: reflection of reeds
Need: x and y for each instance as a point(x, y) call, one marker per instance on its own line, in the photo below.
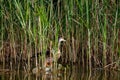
point(90, 28)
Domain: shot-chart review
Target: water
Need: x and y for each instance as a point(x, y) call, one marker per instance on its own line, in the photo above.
point(74, 73)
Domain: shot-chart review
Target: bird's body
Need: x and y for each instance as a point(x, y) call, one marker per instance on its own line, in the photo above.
point(53, 57)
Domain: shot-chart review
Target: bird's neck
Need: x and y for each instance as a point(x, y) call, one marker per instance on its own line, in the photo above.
point(58, 54)
point(59, 48)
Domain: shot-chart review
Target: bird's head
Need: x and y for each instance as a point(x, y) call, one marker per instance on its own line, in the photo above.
point(61, 40)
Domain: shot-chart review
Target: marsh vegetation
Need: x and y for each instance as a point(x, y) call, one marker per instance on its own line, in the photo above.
point(91, 29)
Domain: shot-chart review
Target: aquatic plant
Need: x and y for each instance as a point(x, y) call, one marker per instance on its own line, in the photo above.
point(91, 29)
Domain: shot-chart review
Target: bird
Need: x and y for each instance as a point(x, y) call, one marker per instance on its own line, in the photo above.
point(52, 55)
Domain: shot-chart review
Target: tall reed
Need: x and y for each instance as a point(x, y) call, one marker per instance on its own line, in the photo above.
point(91, 29)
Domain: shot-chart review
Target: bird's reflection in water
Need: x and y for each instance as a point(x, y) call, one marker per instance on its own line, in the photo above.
point(52, 75)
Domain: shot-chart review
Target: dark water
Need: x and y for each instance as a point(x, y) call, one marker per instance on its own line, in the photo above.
point(74, 73)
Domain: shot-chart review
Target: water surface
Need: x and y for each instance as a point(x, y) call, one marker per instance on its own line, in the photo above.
point(74, 73)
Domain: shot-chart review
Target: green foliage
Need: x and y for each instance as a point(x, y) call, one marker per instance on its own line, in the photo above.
point(32, 24)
